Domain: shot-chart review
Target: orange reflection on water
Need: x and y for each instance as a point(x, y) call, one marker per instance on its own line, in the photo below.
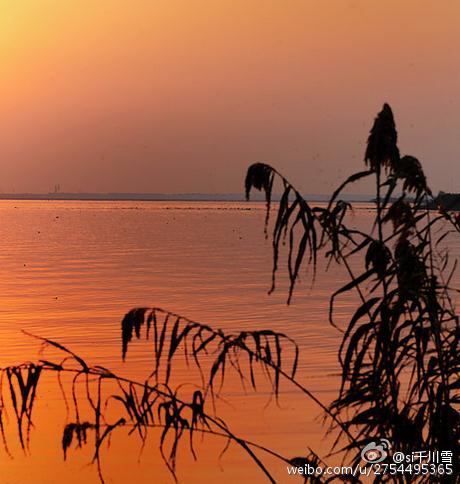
point(71, 270)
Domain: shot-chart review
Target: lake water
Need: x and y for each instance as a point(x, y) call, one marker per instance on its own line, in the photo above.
point(69, 271)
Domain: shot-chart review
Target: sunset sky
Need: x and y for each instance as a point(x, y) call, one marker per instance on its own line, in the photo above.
point(180, 96)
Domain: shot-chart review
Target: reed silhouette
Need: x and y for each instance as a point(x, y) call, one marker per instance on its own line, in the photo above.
point(399, 353)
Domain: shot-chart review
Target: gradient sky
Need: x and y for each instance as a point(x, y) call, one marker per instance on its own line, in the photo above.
point(180, 96)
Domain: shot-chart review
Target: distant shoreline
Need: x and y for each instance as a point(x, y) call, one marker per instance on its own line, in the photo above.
point(160, 197)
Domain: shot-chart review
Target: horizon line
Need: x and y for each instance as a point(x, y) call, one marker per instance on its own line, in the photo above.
point(184, 196)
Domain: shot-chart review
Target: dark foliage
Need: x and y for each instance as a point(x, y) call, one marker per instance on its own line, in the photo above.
point(153, 404)
point(400, 350)
point(175, 335)
point(382, 149)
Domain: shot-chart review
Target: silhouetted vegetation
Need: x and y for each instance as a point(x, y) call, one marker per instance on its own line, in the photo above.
point(399, 354)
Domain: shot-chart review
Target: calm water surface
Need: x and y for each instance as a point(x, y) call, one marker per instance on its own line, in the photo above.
point(70, 270)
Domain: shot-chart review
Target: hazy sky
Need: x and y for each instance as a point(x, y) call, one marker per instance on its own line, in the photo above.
point(180, 96)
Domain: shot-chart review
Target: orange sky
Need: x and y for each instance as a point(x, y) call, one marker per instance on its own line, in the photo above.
point(179, 96)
